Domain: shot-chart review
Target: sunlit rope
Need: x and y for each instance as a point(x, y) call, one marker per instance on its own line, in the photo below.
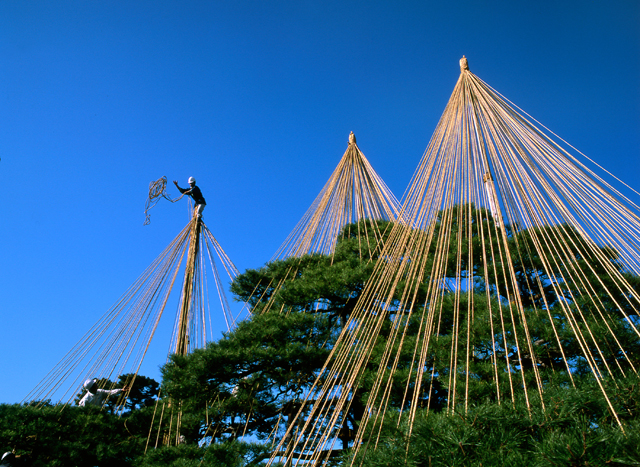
point(157, 191)
point(119, 342)
point(487, 154)
point(354, 193)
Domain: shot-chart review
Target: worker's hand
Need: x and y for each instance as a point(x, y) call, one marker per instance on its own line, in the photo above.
point(175, 182)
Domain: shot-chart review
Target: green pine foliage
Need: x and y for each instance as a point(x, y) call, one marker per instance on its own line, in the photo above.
point(241, 392)
point(63, 435)
point(70, 436)
point(330, 285)
point(229, 454)
point(323, 295)
point(242, 384)
point(576, 428)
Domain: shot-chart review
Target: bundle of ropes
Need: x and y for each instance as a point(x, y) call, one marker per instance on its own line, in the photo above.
point(354, 193)
point(157, 191)
point(513, 253)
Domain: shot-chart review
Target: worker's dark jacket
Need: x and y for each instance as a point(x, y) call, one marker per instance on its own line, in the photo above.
point(195, 193)
point(10, 461)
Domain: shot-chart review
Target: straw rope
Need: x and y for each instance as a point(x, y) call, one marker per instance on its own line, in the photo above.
point(530, 197)
point(118, 343)
point(157, 191)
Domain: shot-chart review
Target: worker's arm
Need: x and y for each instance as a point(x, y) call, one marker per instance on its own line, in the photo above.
point(86, 399)
point(111, 392)
point(184, 191)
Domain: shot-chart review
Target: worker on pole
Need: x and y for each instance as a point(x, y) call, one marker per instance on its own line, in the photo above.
point(195, 194)
point(96, 396)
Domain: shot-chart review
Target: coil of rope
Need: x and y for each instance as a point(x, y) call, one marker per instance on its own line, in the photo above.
point(157, 191)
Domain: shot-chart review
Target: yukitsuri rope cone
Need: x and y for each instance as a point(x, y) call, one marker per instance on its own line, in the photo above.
point(118, 342)
point(517, 267)
point(354, 194)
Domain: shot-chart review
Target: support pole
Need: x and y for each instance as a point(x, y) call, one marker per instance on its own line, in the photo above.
point(182, 344)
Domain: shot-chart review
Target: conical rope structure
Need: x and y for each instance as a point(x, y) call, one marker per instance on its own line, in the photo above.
point(117, 344)
point(354, 201)
point(354, 194)
point(517, 268)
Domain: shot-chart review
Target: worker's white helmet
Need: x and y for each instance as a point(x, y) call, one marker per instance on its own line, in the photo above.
point(191, 180)
point(88, 384)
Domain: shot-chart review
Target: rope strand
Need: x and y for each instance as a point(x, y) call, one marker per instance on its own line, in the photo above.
point(157, 191)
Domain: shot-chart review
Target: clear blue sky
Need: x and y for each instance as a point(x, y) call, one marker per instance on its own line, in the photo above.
point(256, 100)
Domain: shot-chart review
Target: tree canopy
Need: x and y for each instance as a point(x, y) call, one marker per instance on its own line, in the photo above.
point(238, 396)
point(251, 383)
point(320, 292)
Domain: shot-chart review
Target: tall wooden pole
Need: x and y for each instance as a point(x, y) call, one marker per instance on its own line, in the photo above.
point(182, 344)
